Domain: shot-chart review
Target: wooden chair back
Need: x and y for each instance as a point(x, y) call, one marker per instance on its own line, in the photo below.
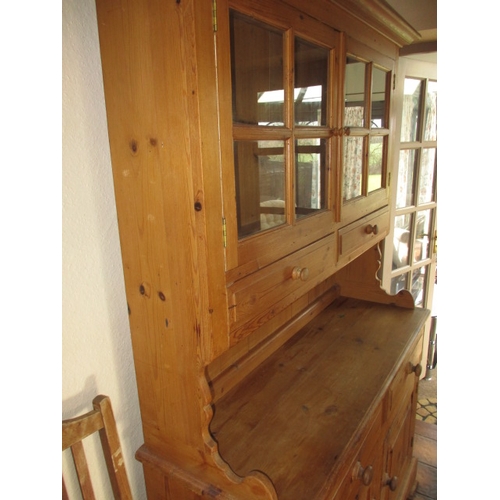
point(75, 430)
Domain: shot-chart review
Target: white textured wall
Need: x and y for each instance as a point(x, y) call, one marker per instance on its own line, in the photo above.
point(96, 346)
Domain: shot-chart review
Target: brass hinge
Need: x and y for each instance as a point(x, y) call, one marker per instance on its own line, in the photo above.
point(214, 14)
point(224, 232)
point(393, 80)
point(389, 180)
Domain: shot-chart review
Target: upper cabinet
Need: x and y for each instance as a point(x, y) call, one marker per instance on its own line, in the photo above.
point(305, 125)
point(279, 68)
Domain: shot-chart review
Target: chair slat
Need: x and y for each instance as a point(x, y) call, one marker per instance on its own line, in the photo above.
point(64, 491)
point(112, 450)
point(82, 471)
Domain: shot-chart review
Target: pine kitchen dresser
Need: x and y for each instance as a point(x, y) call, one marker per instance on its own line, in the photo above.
point(251, 152)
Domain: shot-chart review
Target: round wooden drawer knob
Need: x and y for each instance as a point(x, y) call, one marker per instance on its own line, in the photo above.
point(364, 474)
point(371, 229)
point(416, 369)
point(300, 274)
point(392, 482)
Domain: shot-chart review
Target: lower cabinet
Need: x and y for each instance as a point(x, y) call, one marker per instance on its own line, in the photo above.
point(330, 415)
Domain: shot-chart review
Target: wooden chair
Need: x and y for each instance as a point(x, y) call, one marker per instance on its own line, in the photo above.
point(74, 430)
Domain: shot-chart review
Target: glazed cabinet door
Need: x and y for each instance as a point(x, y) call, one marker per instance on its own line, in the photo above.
point(368, 81)
point(277, 74)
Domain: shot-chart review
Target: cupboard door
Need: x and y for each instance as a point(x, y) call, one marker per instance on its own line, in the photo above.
point(278, 68)
point(399, 452)
point(366, 129)
point(364, 476)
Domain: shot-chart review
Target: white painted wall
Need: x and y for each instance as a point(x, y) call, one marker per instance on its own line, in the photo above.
point(96, 347)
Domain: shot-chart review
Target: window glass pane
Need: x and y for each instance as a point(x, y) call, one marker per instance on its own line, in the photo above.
point(430, 128)
point(375, 163)
point(421, 250)
point(426, 188)
point(399, 283)
point(354, 114)
point(418, 285)
point(353, 166)
point(260, 185)
point(401, 240)
point(257, 72)
point(311, 83)
point(310, 160)
point(406, 170)
point(411, 109)
point(379, 94)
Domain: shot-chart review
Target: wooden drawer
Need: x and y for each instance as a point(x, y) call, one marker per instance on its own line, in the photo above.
point(357, 237)
point(258, 297)
point(406, 379)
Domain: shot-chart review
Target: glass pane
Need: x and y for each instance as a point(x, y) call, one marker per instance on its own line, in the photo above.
point(311, 83)
point(411, 109)
point(353, 166)
point(399, 283)
point(426, 188)
point(354, 93)
point(310, 160)
point(260, 185)
point(407, 166)
point(379, 94)
point(418, 285)
point(401, 240)
point(257, 72)
point(422, 236)
point(430, 128)
point(375, 163)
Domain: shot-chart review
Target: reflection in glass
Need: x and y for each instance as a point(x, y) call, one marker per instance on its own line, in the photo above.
point(418, 285)
point(411, 109)
point(375, 162)
point(354, 92)
point(353, 167)
point(311, 83)
point(430, 127)
point(379, 94)
point(426, 188)
point(310, 176)
point(405, 189)
point(399, 283)
point(401, 240)
point(422, 235)
point(260, 185)
point(257, 72)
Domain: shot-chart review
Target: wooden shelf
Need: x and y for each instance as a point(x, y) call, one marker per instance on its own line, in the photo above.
point(296, 415)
